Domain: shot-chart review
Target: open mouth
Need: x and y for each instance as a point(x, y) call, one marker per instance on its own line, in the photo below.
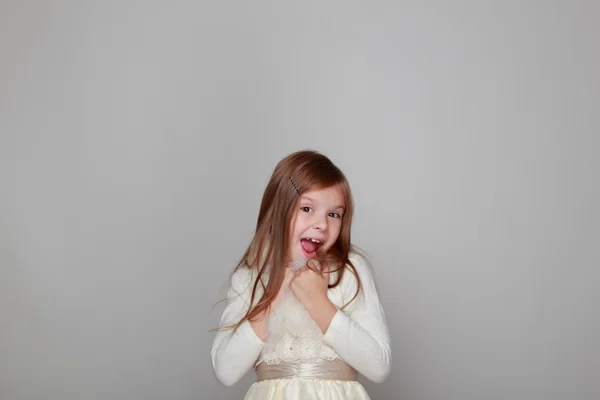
point(310, 246)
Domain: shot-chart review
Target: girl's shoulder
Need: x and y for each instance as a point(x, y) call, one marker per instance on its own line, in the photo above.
point(358, 259)
point(242, 278)
point(362, 268)
point(349, 293)
point(242, 284)
point(361, 265)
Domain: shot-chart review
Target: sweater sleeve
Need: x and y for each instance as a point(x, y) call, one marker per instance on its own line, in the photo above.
point(233, 354)
point(359, 334)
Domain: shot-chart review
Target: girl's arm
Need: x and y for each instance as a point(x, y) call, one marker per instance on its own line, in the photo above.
point(359, 334)
point(233, 354)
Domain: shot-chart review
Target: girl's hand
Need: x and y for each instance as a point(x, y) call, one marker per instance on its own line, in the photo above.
point(310, 288)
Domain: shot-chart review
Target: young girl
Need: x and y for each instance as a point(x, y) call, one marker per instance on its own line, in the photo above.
point(303, 308)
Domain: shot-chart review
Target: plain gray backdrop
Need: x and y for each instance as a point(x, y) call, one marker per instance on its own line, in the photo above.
point(136, 139)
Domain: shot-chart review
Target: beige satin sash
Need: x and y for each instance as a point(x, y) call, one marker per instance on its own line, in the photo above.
point(334, 370)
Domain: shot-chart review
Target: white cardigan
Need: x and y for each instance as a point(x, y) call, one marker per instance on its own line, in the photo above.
point(358, 334)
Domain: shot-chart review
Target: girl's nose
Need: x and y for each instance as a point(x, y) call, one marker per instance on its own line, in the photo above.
point(320, 223)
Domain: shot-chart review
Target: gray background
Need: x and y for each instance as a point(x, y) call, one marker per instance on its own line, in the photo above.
point(136, 139)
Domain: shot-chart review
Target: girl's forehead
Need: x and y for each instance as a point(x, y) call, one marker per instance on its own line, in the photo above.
point(332, 195)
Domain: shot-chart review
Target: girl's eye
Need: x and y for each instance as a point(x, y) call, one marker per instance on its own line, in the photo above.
point(306, 209)
point(335, 215)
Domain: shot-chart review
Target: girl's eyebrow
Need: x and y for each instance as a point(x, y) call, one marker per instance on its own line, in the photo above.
point(305, 197)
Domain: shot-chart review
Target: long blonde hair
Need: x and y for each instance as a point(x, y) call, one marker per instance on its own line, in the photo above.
point(267, 253)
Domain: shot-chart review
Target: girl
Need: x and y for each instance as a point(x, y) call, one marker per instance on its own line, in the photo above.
point(303, 308)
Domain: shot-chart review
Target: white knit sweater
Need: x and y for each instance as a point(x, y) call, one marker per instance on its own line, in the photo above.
point(358, 335)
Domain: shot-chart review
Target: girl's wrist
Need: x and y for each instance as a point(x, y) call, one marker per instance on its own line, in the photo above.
point(319, 301)
point(322, 311)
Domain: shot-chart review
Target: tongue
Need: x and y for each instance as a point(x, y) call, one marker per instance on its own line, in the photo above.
point(308, 246)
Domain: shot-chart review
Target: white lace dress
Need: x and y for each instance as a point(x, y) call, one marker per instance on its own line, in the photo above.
point(357, 335)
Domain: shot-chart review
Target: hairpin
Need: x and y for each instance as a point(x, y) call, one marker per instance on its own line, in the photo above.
point(294, 185)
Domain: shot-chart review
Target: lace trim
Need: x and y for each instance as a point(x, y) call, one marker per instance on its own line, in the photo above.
point(296, 350)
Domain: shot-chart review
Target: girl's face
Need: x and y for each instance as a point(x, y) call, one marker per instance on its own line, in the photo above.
point(316, 223)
